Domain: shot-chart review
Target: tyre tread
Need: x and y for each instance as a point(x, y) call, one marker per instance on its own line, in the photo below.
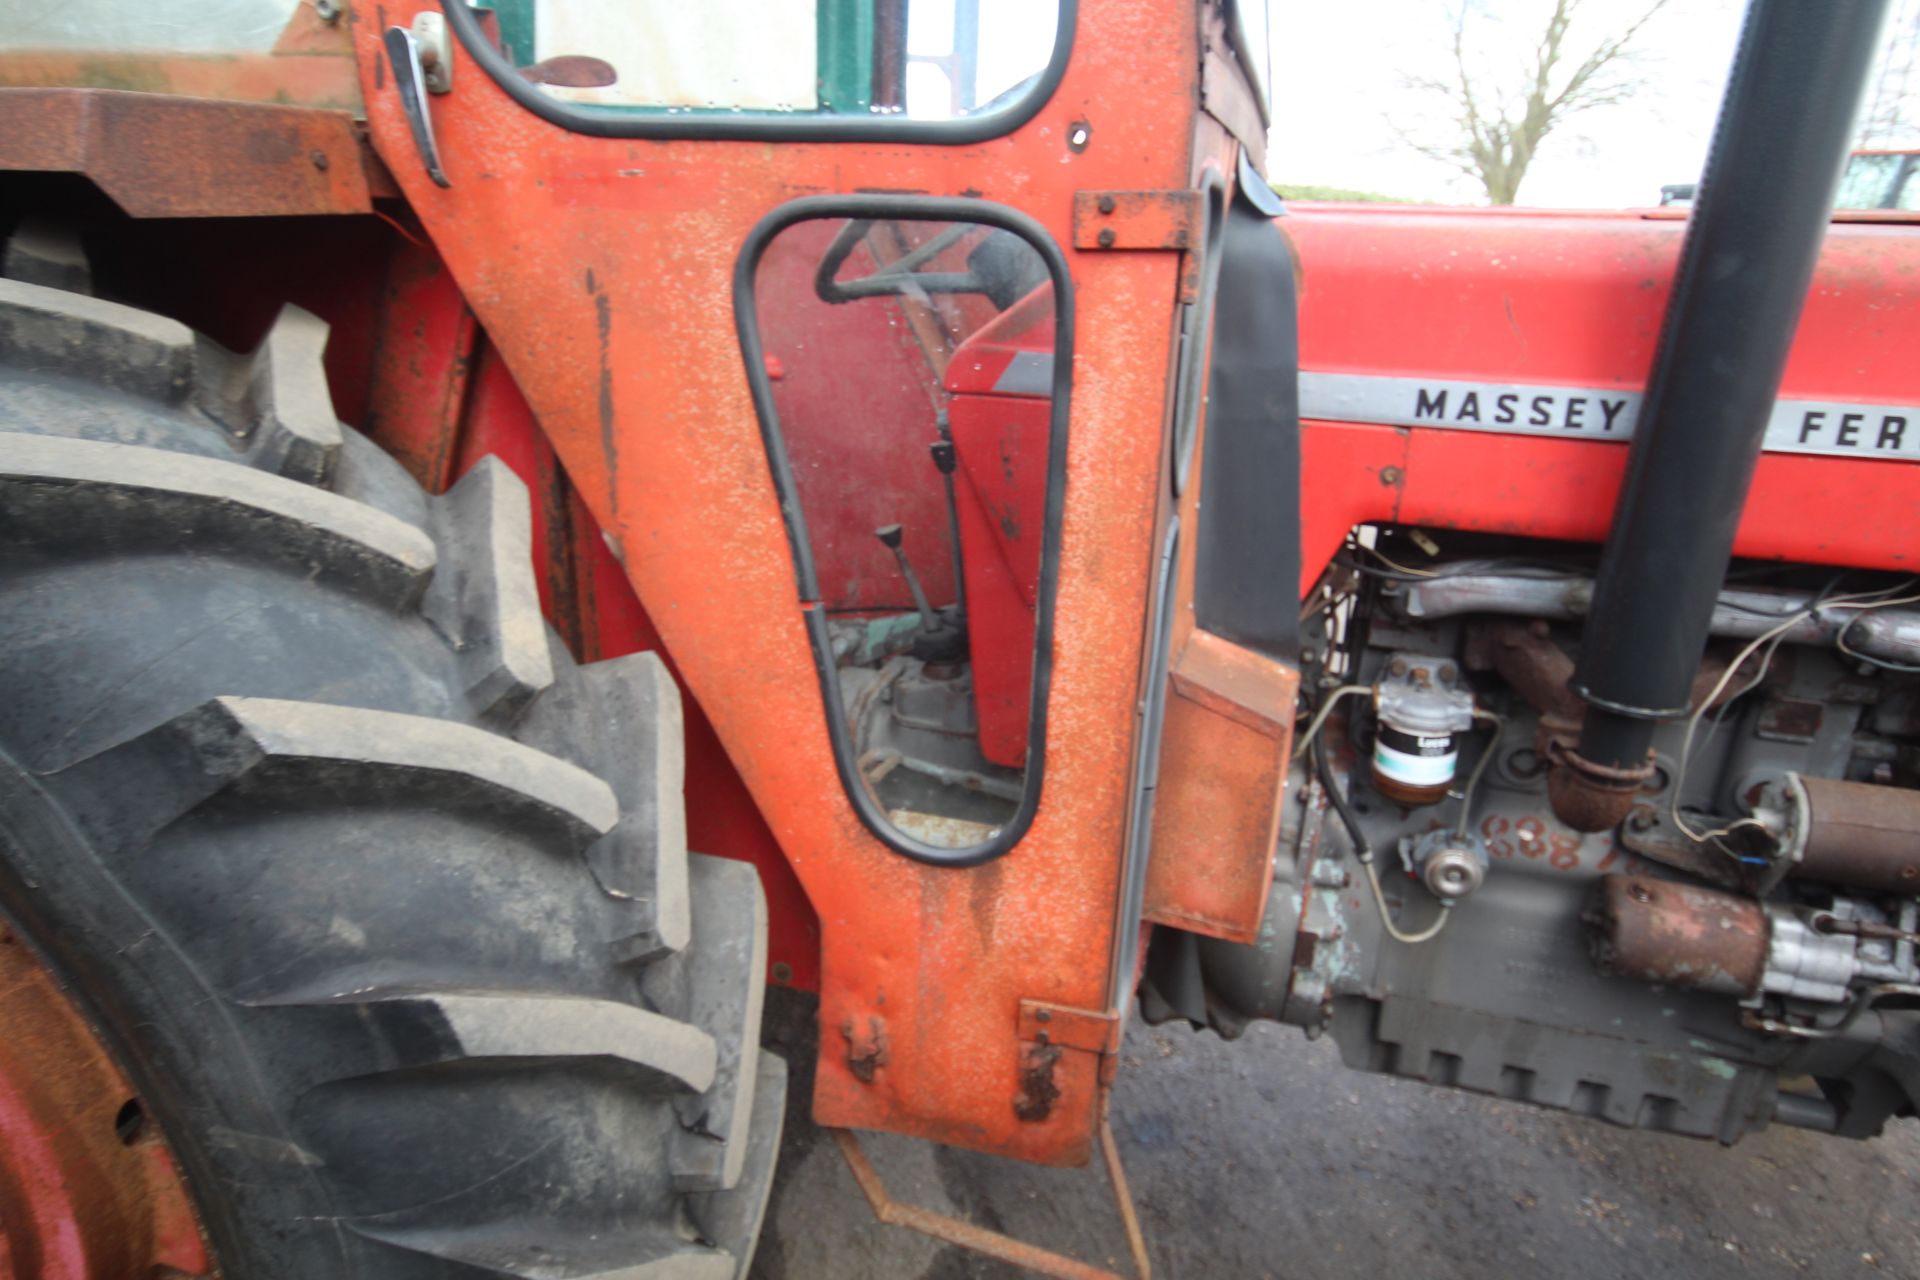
point(645, 1005)
point(126, 498)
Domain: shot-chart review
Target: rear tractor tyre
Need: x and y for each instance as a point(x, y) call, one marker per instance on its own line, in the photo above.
point(382, 903)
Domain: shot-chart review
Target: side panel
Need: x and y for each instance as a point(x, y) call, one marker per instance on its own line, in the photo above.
point(600, 267)
point(1000, 436)
point(1574, 302)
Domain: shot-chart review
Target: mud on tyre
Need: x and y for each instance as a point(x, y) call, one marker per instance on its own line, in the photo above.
point(383, 902)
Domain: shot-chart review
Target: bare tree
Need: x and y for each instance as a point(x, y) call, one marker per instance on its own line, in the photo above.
point(1892, 117)
point(1501, 120)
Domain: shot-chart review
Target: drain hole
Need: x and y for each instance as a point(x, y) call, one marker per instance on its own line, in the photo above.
point(131, 1122)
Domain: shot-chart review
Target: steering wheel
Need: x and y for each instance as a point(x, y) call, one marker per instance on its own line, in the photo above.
point(1002, 266)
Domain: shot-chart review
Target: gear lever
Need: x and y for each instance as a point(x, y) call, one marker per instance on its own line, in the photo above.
point(890, 536)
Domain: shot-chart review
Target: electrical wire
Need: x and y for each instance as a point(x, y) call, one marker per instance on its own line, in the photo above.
point(1529, 570)
point(1863, 600)
point(1759, 675)
point(1813, 604)
point(1326, 595)
point(1535, 566)
point(1381, 556)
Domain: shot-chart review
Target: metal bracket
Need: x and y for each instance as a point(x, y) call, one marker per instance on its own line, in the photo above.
point(992, 1243)
point(1137, 219)
point(1069, 1028)
point(1044, 1031)
point(1162, 221)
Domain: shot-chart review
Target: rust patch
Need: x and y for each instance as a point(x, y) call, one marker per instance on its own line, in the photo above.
point(984, 897)
point(603, 328)
point(1592, 797)
point(221, 159)
point(1677, 935)
point(88, 1186)
point(1861, 834)
point(571, 71)
point(1038, 1092)
point(866, 1049)
point(1790, 720)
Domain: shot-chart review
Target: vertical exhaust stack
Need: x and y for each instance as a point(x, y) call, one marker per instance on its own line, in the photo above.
point(1745, 267)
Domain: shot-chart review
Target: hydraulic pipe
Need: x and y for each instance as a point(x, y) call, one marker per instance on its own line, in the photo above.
point(1745, 267)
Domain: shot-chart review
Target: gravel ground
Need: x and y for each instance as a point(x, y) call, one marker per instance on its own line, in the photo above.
point(1266, 1158)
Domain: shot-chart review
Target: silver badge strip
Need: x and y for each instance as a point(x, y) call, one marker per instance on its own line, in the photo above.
point(1833, 427)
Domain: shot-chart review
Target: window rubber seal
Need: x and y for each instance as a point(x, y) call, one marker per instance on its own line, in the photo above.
point(764, 125)
point(753, 353)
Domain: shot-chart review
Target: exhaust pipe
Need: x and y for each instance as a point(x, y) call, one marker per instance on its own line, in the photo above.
point(1745, 267)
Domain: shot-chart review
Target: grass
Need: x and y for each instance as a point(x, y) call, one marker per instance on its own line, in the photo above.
point(1310, 191)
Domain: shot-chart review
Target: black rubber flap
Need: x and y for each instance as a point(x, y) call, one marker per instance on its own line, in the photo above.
point(1247, 583)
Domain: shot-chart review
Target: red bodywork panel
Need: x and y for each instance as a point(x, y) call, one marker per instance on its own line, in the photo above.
point(1000, 429)
point(1576, 299)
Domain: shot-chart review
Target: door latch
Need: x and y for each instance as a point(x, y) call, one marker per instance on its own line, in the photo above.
point(412, 81)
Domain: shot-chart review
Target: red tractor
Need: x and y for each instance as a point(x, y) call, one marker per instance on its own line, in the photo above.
point(455, 461)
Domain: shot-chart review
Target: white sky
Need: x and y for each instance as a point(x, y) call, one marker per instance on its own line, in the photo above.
point(1338, 91)
point(1016, 37)
point(1337, 78)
